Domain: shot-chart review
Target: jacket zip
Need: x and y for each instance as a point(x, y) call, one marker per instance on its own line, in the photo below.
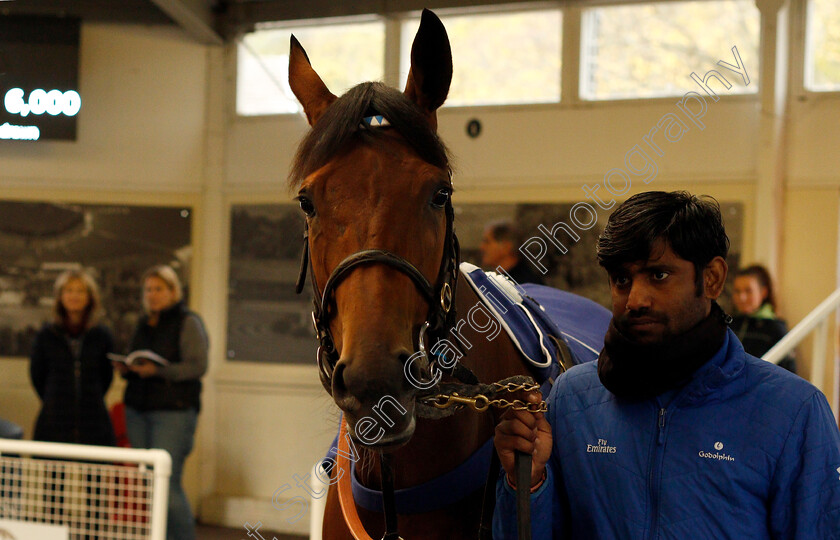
point(77, 385)
point(78, 376)
point(655, 473)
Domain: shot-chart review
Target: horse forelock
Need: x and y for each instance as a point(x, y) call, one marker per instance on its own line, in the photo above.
point(339, 128)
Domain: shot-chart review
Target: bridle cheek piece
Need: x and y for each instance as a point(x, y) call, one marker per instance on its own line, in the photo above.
point(439, 297)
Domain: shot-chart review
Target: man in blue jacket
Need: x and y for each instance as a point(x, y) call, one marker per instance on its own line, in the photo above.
point(676, 432)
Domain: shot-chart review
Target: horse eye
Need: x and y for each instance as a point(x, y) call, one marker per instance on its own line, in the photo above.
point(307, 206)
point(441, 197)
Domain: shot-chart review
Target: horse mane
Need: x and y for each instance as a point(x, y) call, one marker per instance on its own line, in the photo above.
point(340, 127)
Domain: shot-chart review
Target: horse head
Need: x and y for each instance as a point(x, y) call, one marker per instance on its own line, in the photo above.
point(374, 182)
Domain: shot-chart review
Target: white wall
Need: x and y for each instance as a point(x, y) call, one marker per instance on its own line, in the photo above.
point(142, 120)
point(809, 268)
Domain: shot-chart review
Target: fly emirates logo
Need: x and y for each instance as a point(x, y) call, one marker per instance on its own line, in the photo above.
point(717, 455)
point(601, 448)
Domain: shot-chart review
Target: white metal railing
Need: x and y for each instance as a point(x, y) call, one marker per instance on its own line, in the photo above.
point(319, 504)
point(94, 491)
point(816, 321)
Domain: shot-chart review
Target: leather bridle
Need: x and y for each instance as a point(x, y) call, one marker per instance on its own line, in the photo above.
point(440, 296)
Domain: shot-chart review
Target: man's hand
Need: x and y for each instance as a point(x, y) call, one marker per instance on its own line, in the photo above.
point(527, 432)
point(144, 368)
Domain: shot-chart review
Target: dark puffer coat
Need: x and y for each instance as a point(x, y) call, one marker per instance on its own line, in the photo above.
point(72, 390)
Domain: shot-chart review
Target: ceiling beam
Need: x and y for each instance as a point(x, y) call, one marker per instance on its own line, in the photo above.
point(124, 11)
point(238, 16)
point(196, 17)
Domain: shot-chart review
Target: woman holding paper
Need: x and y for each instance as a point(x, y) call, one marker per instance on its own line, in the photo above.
point(162, 401)
point(69, 367)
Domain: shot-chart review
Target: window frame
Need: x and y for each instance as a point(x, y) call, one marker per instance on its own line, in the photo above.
point(802, 56)
point(582, 31)
point(571, 43)
point(489, 10)
point(232, 55)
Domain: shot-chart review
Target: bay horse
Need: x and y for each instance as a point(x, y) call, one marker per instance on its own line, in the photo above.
point(374, 182)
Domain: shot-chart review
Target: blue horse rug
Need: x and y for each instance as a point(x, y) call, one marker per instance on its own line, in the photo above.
point(546, 325)
point(541, 320)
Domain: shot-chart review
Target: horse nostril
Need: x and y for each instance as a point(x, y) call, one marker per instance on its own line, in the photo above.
point(339, 387)
point(412, 368)
point(341, 393)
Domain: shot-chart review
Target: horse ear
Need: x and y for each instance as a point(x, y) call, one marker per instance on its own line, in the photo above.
point(306, 85)
point(431, 66)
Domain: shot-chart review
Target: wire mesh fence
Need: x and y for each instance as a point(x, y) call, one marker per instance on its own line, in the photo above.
point(96, 499)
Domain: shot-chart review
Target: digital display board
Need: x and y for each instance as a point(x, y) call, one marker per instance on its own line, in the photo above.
point(39, 78)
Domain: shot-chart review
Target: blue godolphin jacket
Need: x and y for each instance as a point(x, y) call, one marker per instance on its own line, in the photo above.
point(745, 450)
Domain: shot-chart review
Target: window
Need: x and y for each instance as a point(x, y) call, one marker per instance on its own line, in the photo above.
point(343, 54)
point(822, 59)
point(498, 58)
point(650, 50)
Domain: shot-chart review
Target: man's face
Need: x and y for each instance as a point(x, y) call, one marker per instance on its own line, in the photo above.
point(657, 298)
point(493, 252)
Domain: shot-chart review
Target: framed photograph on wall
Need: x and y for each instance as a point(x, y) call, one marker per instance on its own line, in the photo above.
point(267, 321)
point(115, 243)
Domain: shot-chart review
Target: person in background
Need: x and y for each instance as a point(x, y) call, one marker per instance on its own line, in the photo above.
point(756, 325)
point(162, 402)
point(71, 373)
point(70, 369)
point(499, 248)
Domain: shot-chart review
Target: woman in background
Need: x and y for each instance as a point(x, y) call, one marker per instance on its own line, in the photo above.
point(70, 369)
point(71, 373)
point(756, 325)
point(162, 402)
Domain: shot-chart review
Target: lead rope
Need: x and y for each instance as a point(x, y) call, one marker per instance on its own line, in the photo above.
point(523, 497)
point(345, 489)
point(488, 502)
point(386, 467)
point(345, 492)
point(522, 465)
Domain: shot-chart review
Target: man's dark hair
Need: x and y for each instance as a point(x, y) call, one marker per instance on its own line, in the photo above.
point(505, 231)
point(691, 225)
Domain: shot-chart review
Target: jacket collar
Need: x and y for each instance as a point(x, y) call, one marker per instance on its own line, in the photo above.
point(168, 313)
point(764, 312)
point(719, 378)
point(62, 332)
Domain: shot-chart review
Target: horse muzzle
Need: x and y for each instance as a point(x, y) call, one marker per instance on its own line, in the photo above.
point(374, 432)
point(376, 400)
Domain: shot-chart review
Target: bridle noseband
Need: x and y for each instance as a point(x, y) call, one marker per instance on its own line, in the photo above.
point(440, 296)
